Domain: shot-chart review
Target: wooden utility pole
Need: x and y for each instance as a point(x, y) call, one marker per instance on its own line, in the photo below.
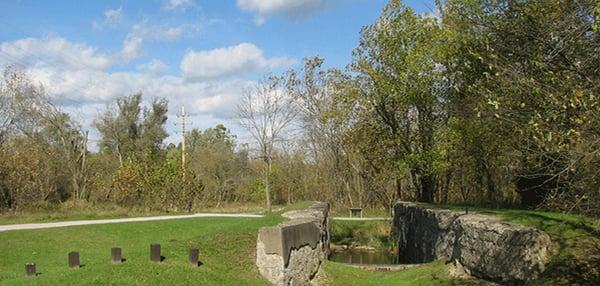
point(183, 117)
point(83, 165)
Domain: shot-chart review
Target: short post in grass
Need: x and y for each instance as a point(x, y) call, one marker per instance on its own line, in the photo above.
point(155, 252)
point(30, 269)
point(73, 259)
point(194, 255)
point(115, 254)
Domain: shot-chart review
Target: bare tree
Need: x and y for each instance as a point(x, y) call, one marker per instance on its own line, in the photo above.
point(28, 109)
point(266, 112)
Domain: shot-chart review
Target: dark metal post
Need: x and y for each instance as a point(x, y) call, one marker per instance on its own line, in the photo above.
point(73, 259)
point(30, 269)
point(115, 254)
point(155, 252)
point(194, 255)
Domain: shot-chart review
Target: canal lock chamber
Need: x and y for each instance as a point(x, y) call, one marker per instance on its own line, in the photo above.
point(363, 243)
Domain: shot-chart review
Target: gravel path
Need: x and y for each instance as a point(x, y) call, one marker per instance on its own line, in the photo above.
point(119, 220)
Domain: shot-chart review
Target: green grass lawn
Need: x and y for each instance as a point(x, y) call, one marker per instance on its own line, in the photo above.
point(227, 251)
point(435, 273)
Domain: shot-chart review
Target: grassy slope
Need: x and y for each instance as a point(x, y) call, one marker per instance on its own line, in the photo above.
point(226, 249)
point(435, 273)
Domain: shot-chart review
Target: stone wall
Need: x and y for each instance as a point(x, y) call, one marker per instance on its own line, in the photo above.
point(482, 245)
point(291, 253)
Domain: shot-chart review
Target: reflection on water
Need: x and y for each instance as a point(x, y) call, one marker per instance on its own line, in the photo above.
point(363, 257)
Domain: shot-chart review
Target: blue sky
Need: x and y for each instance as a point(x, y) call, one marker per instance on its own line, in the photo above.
point(197, 54)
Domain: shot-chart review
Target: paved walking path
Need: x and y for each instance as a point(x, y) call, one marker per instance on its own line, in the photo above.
point(120, 220)
point(360, 218)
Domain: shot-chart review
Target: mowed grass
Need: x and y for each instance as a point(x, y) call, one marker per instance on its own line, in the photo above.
point(227, 253)
point(435, 273)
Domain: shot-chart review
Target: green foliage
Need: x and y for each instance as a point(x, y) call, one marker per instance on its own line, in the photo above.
point(374, 234)
point(527, 72)
point(399, 62)
point(223, 170)
point(127, 133)
point(491, 102)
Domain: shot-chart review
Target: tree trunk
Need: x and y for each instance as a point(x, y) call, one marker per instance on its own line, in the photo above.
point(398, 188)
point(267, 191)
point(427, 188)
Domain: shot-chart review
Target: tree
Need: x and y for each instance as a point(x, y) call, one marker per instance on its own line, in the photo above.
point(127, 132)
point(530, 72)
point(266, 113)
point(403, 85)
point(49, 130)
point(216, 163)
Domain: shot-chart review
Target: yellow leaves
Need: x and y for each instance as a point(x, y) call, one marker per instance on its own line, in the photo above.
point(494, 103)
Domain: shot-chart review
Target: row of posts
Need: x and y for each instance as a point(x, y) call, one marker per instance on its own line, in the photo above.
point(116, 258)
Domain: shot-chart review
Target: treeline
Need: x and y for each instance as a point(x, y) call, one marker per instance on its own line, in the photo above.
point(489, 102)
point(45, 161)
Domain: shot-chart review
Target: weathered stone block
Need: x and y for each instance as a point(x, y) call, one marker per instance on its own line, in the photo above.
point(116, 255)
point(30, 269)
point(485, 246)
point(194, 257)
point(155, 253)
point(291, 252)
point(73, 259)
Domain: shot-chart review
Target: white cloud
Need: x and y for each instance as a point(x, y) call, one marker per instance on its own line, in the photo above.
point(154, 67)
point(140, 33)
point(226, 62)
point(77, 78)
point(55, 52)
point(157, 32)
point(177, 4)
point(132, 48)
point(294, 9)
point(112, 17)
